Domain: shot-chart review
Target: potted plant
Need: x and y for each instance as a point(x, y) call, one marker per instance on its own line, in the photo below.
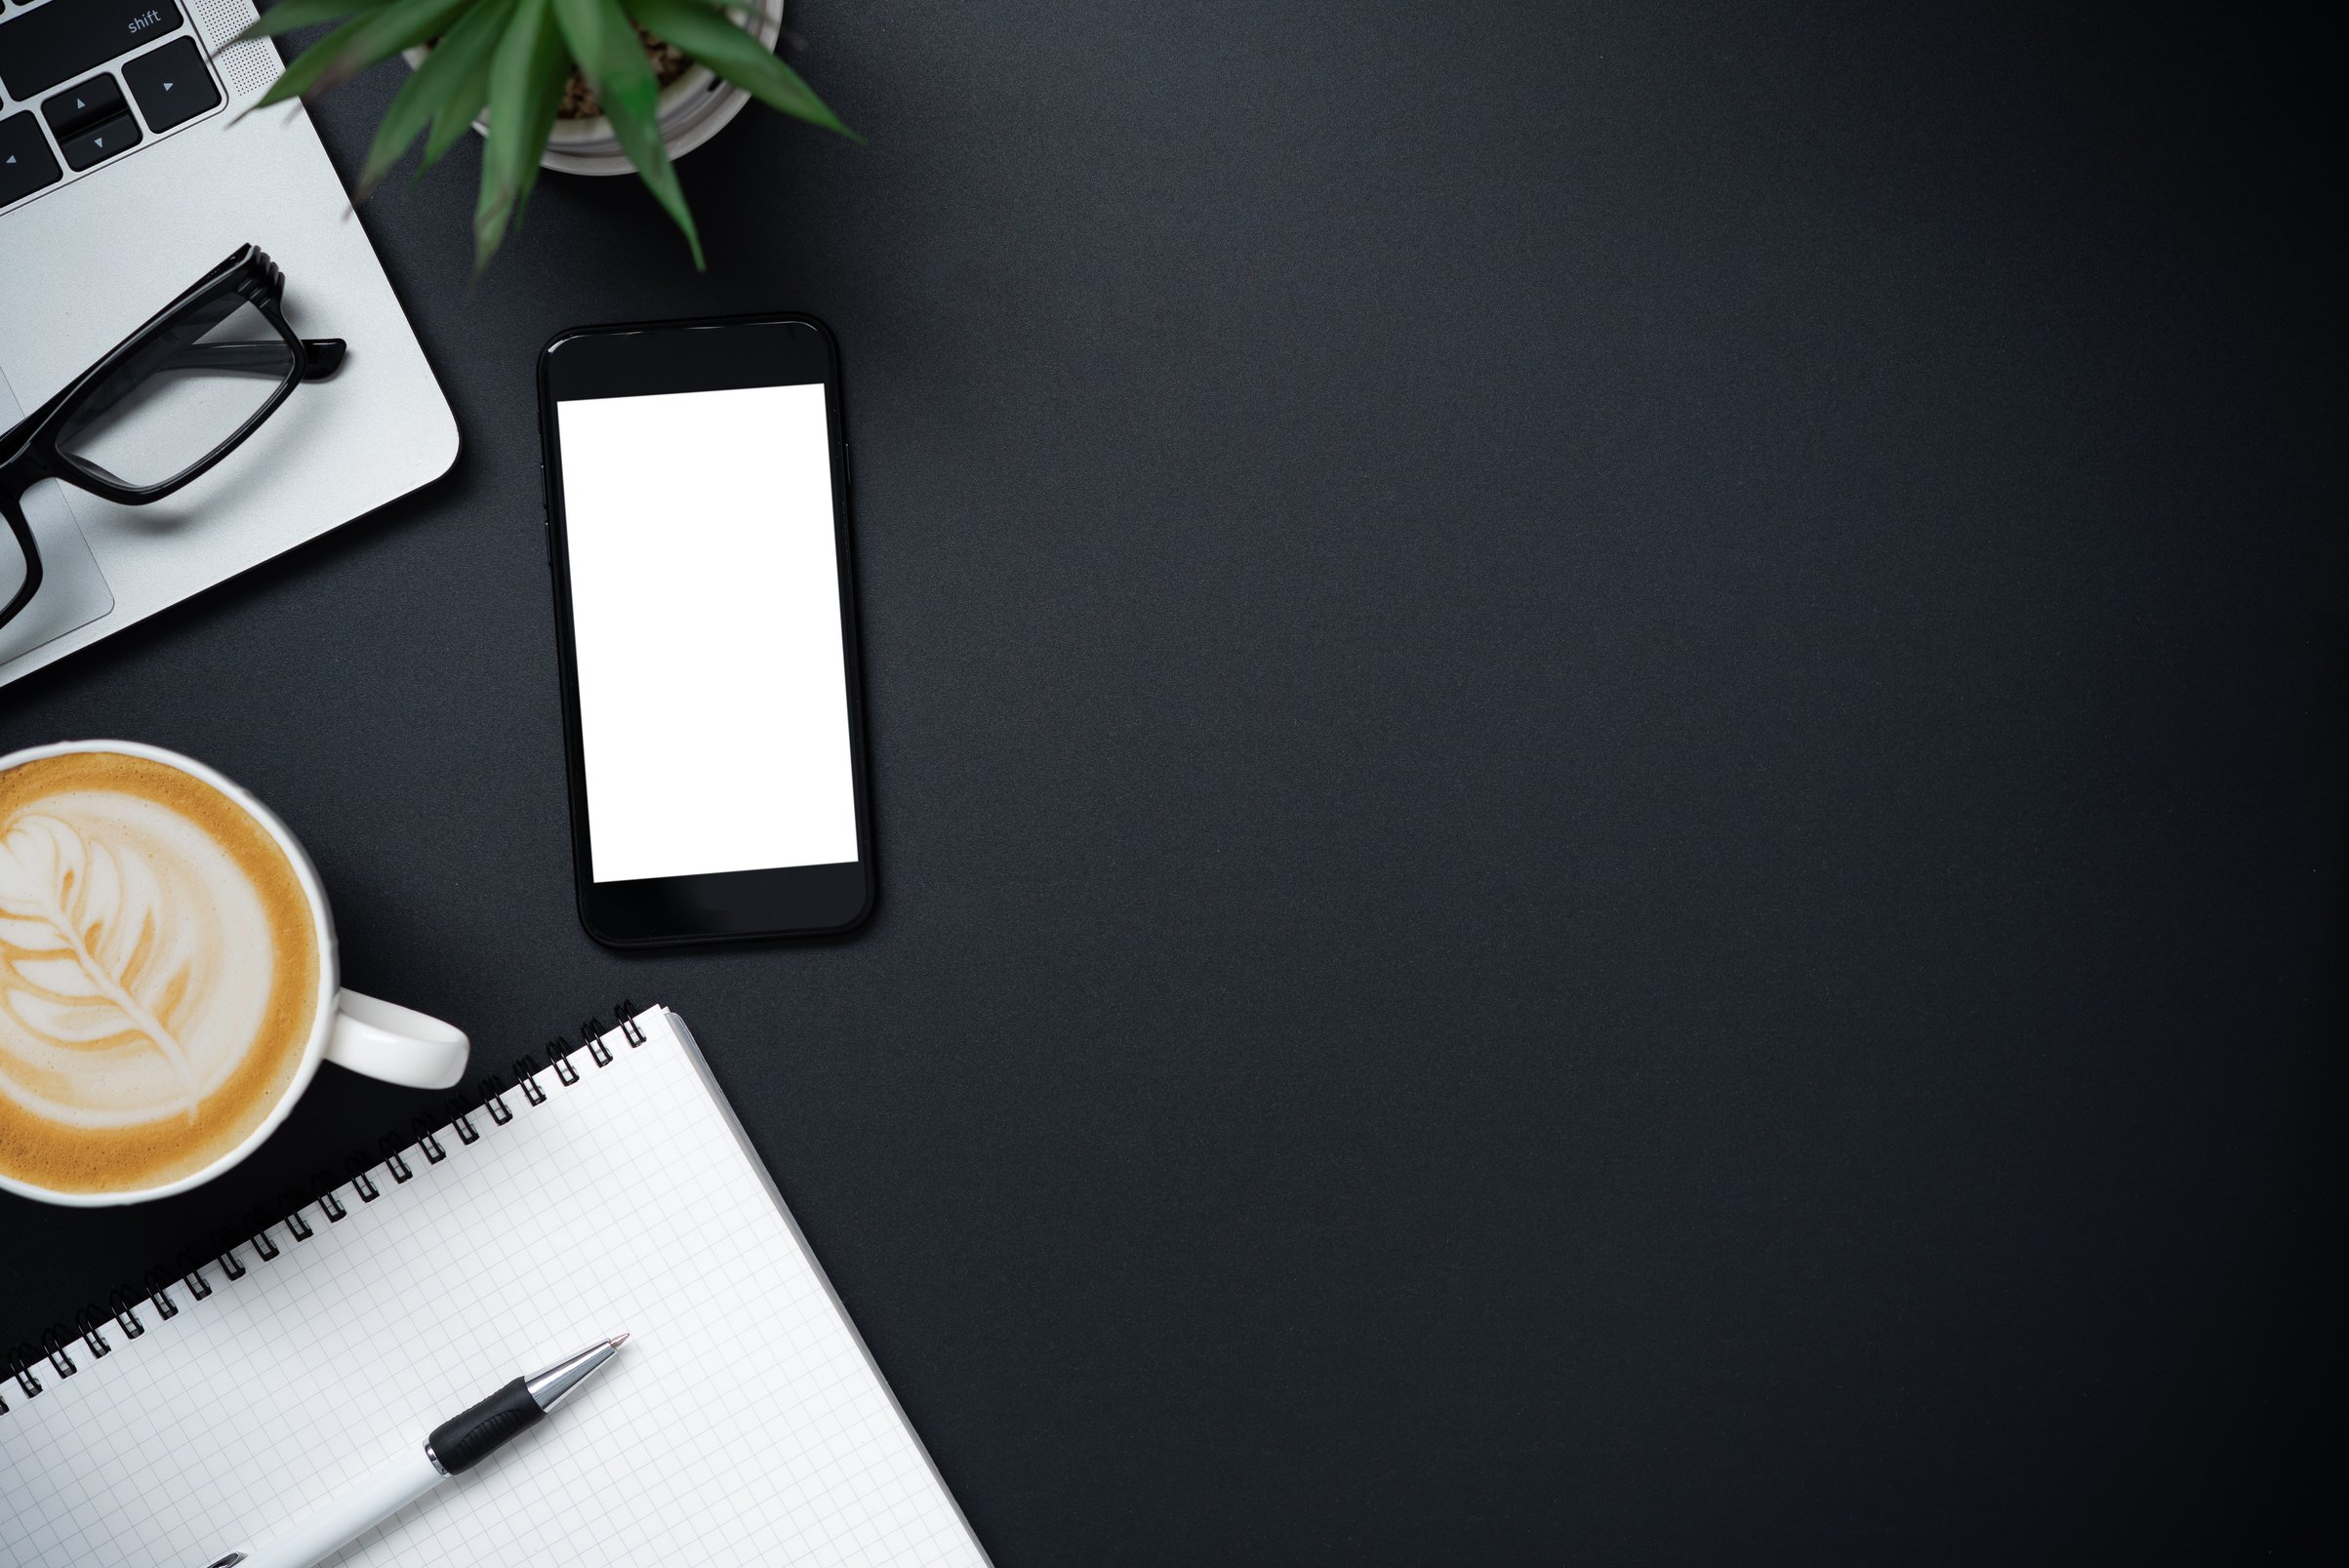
point(647, 79)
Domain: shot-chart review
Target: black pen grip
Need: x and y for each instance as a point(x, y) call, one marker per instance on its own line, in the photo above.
point(463, 1442)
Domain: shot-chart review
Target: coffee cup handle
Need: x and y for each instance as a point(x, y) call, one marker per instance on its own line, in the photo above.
point(396, 1044)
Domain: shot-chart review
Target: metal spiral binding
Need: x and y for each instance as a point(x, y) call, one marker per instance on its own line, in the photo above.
point(328, 1204)
point(20, 1363)
point(121, 1307)
point(21, 1370)
point(296, 1226)
point(86, 1329)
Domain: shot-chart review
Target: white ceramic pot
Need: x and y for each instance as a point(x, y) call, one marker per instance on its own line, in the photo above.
point(693, 108)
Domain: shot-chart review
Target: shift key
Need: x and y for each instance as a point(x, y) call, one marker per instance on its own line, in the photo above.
point(60, 41)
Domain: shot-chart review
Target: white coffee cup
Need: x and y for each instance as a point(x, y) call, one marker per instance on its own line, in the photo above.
point(380, 1039)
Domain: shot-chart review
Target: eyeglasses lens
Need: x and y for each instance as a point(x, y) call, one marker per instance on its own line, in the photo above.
point(181, 396)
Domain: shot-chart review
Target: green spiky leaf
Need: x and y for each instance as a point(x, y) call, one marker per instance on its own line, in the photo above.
point(612, 56)
point(462, 56)
point(306, 68)
point(374, 34)
point(703, 31)
point(289, 14)
point(476, 37)
point(525, 87)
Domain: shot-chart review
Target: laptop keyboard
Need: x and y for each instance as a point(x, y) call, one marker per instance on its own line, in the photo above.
point(85, 81)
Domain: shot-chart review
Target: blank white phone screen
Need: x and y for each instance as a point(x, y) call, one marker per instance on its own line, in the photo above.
point(706, 613)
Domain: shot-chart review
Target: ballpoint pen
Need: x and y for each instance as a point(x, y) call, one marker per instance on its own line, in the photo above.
point(454, 1447)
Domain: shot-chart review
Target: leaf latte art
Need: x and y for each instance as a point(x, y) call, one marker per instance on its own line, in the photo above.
point(143, 958)
point(136, 961)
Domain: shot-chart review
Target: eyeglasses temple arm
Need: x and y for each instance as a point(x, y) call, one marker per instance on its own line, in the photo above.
point(321, 357)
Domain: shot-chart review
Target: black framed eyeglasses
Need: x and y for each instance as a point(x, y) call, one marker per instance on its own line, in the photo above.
point(162, 407)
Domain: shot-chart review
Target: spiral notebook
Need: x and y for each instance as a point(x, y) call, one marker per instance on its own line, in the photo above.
point(608, 1189)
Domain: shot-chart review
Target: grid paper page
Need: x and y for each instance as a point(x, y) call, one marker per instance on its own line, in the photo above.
point(743, 1422)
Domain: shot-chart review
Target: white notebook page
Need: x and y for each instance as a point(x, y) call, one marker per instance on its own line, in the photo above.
point(743, 1422)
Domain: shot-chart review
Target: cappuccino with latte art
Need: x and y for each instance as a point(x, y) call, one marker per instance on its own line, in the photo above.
point(160, 973)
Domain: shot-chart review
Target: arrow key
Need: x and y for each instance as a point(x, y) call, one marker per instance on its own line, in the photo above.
point(26, 163)
point(71, 110)
point(171, 84)
point(102, 142)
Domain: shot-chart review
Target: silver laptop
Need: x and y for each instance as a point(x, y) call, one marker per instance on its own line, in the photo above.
point(122, 181)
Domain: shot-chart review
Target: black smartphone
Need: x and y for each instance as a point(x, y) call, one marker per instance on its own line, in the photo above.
point(697, 525)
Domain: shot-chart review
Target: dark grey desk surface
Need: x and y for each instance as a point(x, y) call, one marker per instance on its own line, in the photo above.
point(1608, 747)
